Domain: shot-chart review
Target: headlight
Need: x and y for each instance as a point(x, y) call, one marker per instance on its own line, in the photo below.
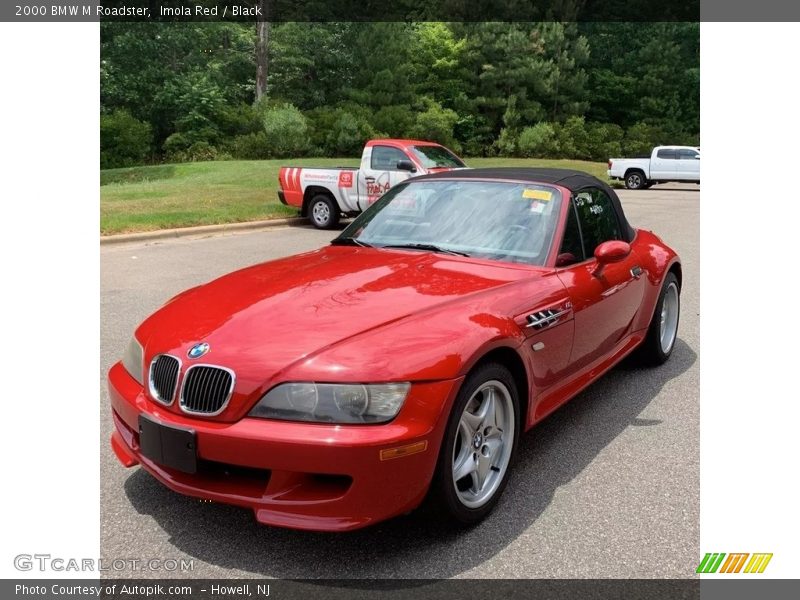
point(133, 360)
point(332, 403)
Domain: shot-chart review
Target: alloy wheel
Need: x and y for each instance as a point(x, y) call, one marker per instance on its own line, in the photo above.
point(670, 309)
point(483, 445)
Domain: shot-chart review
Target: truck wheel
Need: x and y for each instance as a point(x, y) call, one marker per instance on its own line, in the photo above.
point(635, 180)
point(323, 211)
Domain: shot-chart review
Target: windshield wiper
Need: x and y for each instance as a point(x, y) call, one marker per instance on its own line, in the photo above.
point(429, 247)
point(350, 241)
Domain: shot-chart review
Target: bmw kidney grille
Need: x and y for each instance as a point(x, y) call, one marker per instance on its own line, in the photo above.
point(164, 378)
point(206, 389)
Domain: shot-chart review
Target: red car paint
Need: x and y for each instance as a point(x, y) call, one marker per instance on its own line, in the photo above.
point(352, 314)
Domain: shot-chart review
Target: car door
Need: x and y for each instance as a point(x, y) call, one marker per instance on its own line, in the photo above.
point(380, 173)
point(604, 302)
point(688, 164)
point(663, 165)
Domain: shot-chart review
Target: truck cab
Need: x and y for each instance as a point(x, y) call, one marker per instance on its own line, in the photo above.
point(324, 195)
point(665, 164)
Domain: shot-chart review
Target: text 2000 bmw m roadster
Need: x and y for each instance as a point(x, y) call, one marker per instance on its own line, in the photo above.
point(340, 387)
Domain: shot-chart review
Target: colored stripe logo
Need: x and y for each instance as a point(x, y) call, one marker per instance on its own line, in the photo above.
point(714, 562)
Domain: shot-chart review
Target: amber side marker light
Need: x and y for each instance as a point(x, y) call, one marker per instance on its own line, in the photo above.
point(401, 451)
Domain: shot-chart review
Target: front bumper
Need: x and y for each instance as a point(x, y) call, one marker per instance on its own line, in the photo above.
point(298, 475)
point(282, 197)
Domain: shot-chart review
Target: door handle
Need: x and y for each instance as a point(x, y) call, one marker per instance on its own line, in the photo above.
point(370, 179)
point(636, 272)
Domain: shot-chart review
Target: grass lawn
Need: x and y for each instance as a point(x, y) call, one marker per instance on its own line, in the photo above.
point(205, 193)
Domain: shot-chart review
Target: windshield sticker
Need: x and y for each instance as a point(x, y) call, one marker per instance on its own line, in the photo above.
point(542, 195)
point(538, 206)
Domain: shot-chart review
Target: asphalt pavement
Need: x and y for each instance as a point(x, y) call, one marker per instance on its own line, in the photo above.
point(608, 486)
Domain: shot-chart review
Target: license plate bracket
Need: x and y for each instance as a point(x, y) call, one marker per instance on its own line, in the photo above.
point(171, 447)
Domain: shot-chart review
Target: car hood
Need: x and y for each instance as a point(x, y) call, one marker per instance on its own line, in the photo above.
point(275, 313)
point(262, 319)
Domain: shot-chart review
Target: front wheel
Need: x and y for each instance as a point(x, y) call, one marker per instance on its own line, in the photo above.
point(478, 445)
point(323, 211)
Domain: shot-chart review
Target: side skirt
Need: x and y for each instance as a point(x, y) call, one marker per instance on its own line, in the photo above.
point(575, 384)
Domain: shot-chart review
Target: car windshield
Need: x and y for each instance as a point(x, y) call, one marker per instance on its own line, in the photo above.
point(433, 157)
point(486, 219)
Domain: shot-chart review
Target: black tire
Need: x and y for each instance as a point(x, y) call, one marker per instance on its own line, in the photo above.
point(443, 498)
point(651, 352)
point(323, 212)
point(635, 180)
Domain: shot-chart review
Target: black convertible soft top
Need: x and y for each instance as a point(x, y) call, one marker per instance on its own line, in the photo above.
point(571, 179)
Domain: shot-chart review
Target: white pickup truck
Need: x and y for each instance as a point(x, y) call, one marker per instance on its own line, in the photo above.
point(324, 195)
point(665, 163)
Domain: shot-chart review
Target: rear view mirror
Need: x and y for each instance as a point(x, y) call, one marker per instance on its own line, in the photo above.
point(406, 165)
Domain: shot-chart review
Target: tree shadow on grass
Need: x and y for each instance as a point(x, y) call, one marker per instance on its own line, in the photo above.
point(136, 174)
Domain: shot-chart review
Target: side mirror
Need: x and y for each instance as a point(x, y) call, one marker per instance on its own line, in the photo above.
point(406, 165)
point(609, 252)
point(697, 157)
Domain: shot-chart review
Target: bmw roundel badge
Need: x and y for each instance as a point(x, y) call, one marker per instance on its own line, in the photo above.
point(199, 350)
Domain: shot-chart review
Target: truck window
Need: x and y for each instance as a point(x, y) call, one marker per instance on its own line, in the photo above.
point(433, 157)
point(597, 218)
point(686, 154)
point(668, 153)
point(384, 158)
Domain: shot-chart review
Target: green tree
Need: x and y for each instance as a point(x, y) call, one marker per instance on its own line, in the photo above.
point(147, 67)
point(382, 71)
point(312, 63)
point(286, 131)
point(645, 73)
point(436, 124)
point(539, 64)
point(124, 140)
point(538, 141)
point(483, 87)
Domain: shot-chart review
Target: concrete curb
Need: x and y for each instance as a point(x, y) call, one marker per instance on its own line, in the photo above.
point(190, 231)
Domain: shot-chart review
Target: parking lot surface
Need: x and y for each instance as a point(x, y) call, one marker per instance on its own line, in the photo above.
point(608, 486)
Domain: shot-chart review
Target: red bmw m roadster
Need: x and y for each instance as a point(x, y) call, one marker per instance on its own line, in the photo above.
point(401, 363)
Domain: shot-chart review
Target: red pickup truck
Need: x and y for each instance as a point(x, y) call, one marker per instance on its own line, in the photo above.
point(324, 195)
